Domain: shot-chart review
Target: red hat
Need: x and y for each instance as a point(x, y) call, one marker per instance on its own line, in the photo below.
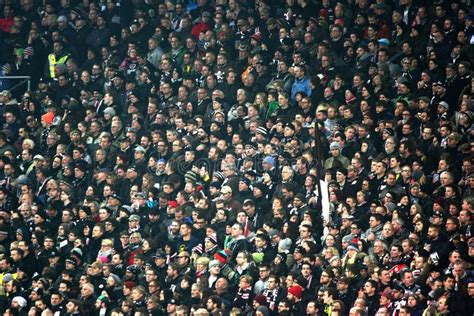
point(387, 293)
point(323, 13)
point(48, 118)
point(130, 284)
point(222, 256)
point(173, 203)
point(296, 290)
point(257, 36)
point(440, 201)
point(260, 299)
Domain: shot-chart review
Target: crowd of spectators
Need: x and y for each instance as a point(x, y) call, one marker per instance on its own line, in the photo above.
point(242, 157)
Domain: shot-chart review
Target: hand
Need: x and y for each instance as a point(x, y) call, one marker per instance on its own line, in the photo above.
point(371, 237)
point(200, 147)
point(456, 276)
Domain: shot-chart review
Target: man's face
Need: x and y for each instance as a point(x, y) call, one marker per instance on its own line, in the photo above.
point(55, 299)
point(235, 231)
point(408, 279)
point(15, 255)
point(432, 233)
point(184, 230)
point(272, 284)
point(96, 232)
point(373, 222)
point(368, 289)
point(171, 272)
point(449, 283)
point(326, 298)
point(470, 289)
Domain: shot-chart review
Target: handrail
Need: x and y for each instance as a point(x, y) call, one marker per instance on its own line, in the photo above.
point(27, 79)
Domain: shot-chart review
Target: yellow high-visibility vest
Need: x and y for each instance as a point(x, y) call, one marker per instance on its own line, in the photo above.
point(53, 62)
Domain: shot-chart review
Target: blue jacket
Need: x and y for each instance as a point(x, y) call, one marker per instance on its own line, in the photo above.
point(300, 85)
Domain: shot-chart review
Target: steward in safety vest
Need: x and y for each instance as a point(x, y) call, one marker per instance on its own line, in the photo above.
point(58, 56)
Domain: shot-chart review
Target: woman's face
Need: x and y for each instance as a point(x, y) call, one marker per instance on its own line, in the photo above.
point(276, 204)
point(110, 282)
point(82, 214)
point(103, 214)
point(137, 295)
point(277, 260)
point(145, 181)
point(266, 177)
point(365, 92)
point(184, 284)
point(330, 241)
point(89, 191)
point(453, 210)
point(64, 196)
point(404, 200)
point(201, 266)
